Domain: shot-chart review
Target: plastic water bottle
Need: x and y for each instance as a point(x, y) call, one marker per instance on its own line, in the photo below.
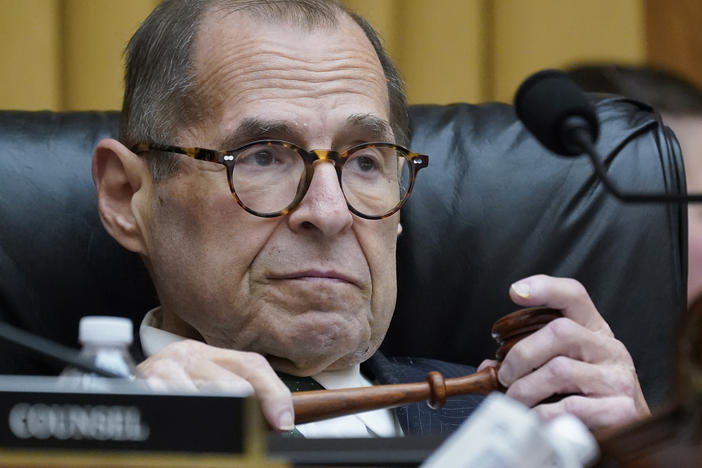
point(504, 433)
point(105, 342)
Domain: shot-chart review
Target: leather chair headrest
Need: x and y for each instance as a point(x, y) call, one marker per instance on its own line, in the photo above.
point(492, 207)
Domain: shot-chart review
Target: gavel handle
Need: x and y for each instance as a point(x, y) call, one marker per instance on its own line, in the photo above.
point(322, 404)
point(508, 330)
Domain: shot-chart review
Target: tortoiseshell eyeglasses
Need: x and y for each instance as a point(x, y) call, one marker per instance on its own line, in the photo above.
point(269, 178)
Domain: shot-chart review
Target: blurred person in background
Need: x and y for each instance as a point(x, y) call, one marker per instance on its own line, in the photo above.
point(680, 104)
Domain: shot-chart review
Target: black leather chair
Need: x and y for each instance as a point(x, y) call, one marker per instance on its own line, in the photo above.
point(493, 206)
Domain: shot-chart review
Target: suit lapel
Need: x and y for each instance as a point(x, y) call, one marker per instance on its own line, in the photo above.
point(419, 418)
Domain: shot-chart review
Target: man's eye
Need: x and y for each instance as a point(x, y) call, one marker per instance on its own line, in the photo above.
point(263, 158)
point(260, 158)
point(365, 163)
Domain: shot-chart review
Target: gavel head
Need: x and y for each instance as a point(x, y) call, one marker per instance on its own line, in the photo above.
point(511, 328)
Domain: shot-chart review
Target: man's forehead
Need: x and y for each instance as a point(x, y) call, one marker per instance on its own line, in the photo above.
point(248, 67)
point(251, 128)
point(254, 26)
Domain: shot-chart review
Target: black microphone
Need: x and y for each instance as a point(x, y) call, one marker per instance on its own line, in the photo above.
point(51, 351)
point(563, 119)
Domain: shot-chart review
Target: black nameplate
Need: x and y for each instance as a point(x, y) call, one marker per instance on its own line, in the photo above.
point(39, 412)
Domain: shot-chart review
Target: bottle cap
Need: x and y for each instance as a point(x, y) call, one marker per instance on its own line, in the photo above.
point(104, 329)
point(573, 440)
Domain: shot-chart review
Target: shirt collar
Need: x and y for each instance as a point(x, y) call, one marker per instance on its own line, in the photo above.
point(154, 339)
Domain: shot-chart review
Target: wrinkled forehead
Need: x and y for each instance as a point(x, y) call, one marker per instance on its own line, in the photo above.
point(244, 60)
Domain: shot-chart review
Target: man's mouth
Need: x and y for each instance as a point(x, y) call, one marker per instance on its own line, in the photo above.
point(315, 276)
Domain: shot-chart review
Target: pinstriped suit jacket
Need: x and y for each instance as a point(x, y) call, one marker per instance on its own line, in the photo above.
point(419, 418)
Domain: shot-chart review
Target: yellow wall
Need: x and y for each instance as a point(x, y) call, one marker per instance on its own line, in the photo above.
point(30, 54)
point(480, 50)
point(535, 34)
point(95, 33)
point(67, 54)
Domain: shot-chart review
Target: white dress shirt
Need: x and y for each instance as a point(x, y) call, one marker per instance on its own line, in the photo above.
point(378, 423)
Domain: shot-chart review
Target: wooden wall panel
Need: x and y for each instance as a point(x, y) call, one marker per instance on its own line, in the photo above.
point(95, 33)
point(438, 46)
point(673, 36)
point(67, 54)
point(30, 54)
point(536, 34)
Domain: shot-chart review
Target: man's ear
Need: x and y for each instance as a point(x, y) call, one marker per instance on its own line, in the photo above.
point(399, 229)
point(119, 175)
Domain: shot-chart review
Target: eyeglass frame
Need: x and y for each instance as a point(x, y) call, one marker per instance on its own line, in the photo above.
point(227, 158)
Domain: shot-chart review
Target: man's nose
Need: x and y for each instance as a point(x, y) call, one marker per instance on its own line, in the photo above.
point(324, 206)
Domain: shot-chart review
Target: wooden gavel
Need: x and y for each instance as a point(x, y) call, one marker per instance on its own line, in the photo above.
point(508, 330)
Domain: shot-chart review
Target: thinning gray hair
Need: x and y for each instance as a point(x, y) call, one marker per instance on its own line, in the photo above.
point(161, 97)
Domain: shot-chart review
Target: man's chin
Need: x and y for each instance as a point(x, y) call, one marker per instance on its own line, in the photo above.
point(314, 366)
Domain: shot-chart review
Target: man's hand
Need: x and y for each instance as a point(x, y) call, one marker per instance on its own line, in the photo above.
point(193, 365)
point(576, 355)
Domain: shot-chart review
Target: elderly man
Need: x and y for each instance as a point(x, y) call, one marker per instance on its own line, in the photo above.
point(257, 175)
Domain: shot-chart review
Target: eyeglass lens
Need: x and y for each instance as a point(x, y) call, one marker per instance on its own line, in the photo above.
point(266, 178)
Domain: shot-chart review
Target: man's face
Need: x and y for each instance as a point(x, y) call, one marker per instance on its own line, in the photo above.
point(311, 290)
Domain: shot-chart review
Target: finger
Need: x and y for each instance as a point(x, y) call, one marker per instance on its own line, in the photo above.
point(560, 337)
point(165, 374)
point(156, 384)
point(488, 363)
point(564, 294)
point(274, 396)
point(189, 356)
point(562, 375)
point(594, 412)
point(207, 375)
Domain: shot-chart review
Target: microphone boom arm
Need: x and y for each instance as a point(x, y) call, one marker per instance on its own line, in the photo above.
point(579, 135)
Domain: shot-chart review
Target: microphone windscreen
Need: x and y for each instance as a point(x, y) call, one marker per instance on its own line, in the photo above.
point(545, 102)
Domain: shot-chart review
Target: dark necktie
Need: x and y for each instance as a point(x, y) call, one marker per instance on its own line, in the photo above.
point(298, 384)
